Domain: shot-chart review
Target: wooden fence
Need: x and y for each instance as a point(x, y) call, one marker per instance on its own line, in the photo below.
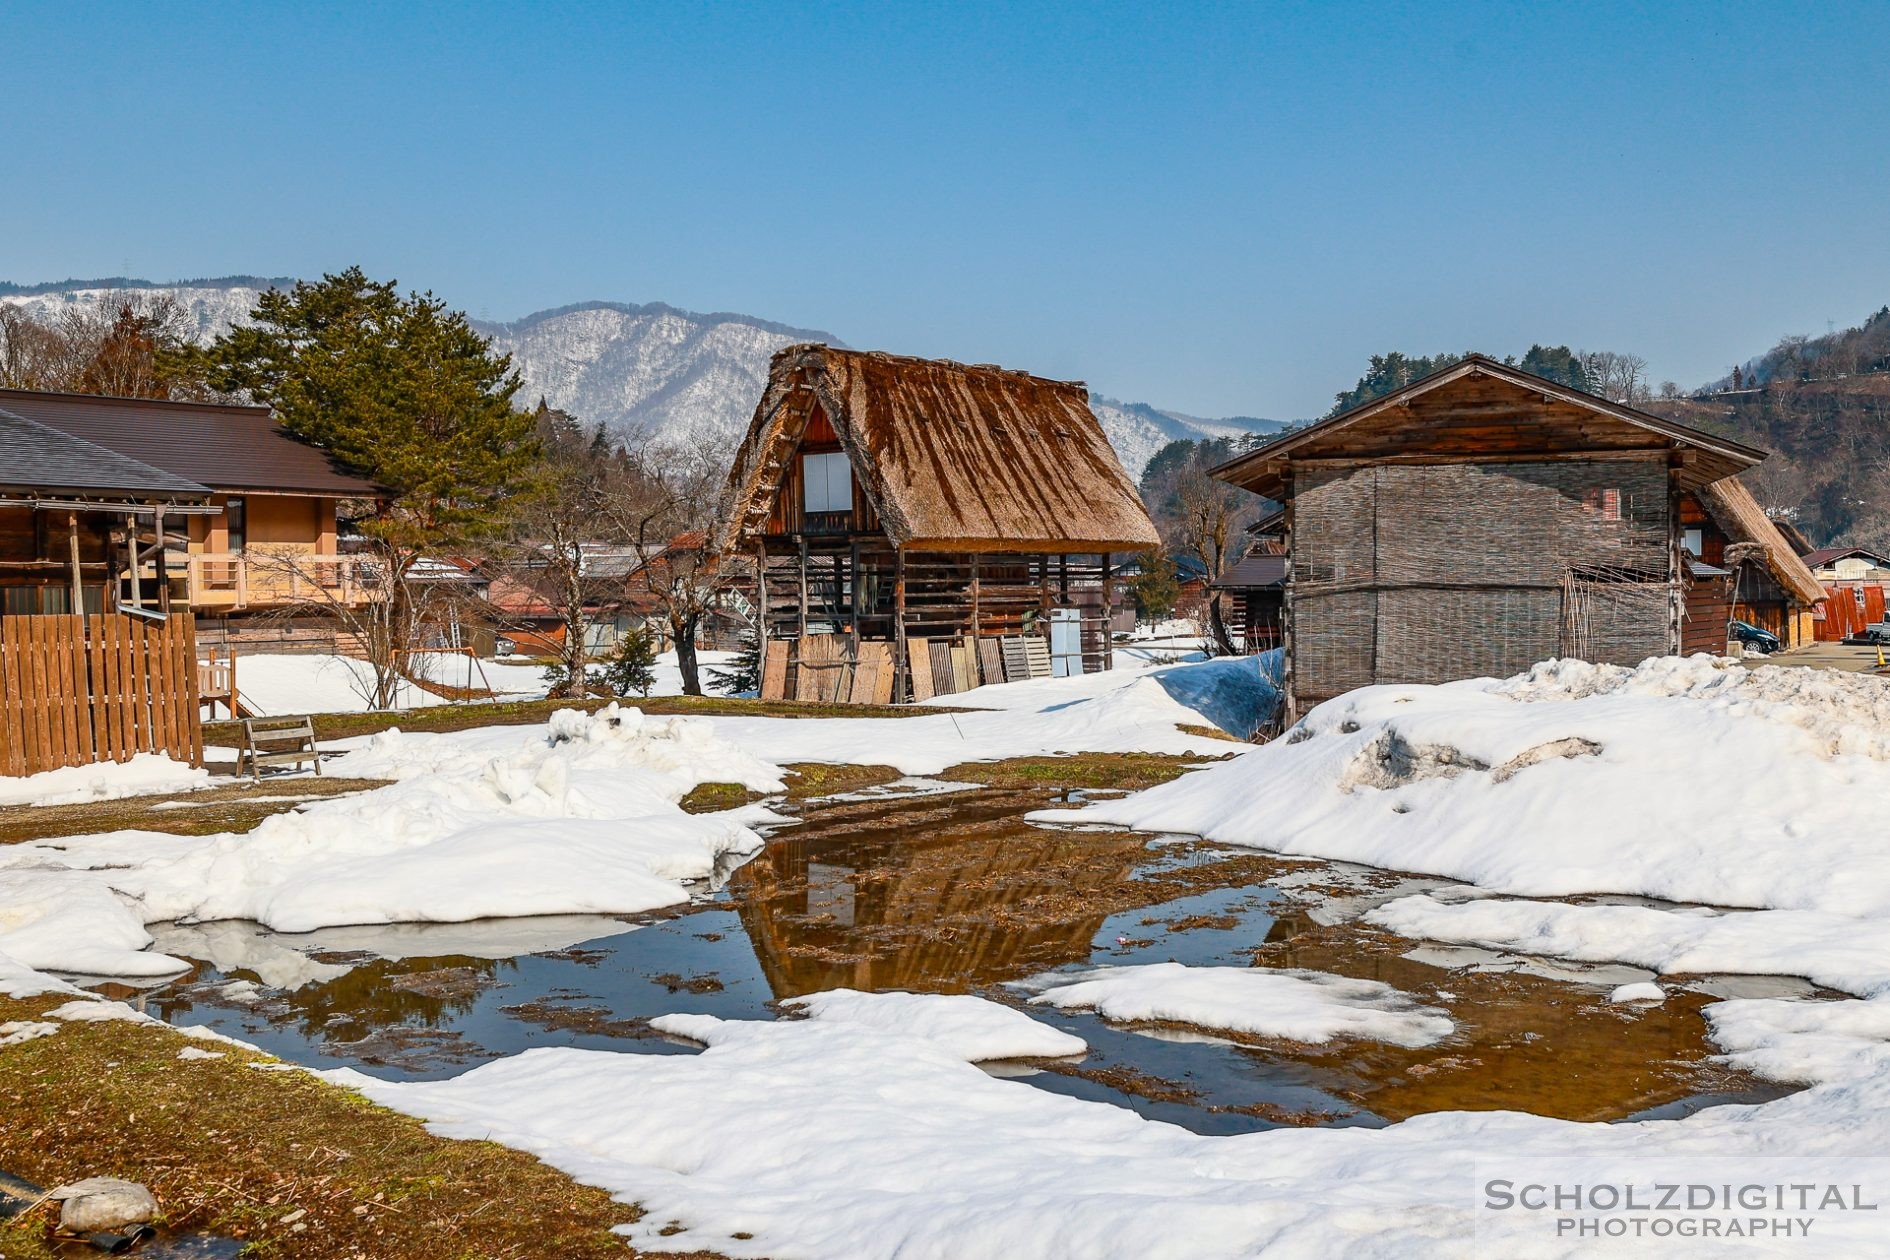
point(76, 690)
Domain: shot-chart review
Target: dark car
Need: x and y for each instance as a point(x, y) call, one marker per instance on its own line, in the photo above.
point(1764, 642)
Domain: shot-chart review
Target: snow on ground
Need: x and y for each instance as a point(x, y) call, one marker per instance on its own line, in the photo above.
point(1691, 780)
point(1121, 711)
point(813, 1139)
point(278, 684)
point(103, 781)
point(577, 816)
point(1306, 1006)
point(968, 1027)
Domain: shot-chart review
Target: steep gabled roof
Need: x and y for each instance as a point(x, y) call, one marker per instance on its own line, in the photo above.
point(223, 446)
point(1742, 520)
point(1707, 457)
point(1830, 555)
point(954, 457)
point(37, 460)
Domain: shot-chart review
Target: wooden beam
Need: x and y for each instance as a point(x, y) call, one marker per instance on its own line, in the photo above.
point(131, 555)
point(900, 665)
point(1108, 611)
point(802, 540)
point(78, 589)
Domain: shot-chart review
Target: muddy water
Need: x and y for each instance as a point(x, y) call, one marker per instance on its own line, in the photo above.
point(954, 892)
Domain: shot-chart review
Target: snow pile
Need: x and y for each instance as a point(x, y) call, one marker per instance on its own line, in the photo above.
point(575, 817)
point(1689, 780)
point(812, 1138)
point(1120, 711)
point(1308, 1006)
point(143, 774)
point(50, 920)
point(968, 1027)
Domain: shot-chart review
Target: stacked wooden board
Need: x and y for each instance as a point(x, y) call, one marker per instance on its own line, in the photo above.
point(828, 669)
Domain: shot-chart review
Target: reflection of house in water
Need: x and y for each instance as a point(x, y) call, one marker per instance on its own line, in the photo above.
point(944, 913)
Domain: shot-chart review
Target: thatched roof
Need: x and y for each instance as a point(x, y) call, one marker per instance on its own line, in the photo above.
point(1739, 515)
point(954, 457)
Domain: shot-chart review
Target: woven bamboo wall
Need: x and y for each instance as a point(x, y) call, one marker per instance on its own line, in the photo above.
point(1429, 572)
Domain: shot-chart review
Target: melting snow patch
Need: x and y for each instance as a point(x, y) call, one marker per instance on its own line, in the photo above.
point(144, 774)
point(1307, 1006)
point(969, 1027)
point(1640, 991)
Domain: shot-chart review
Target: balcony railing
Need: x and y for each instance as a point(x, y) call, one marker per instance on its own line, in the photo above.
point(229, 580)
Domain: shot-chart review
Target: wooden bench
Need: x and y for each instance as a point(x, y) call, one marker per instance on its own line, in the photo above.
point(262, 740)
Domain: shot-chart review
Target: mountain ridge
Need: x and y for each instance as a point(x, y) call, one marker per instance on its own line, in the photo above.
point(639, 369)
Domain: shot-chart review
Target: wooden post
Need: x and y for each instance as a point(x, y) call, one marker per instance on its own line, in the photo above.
point(1109, 613)
point(1043, 595)
point(858, 595)
point(899, 625)
point(78, 589)
point(761, 600)
point(802, 540)
point(977, 628)
point(131, 555)
point(163, 570)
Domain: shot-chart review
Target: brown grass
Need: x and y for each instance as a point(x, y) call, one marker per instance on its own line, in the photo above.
point(239, 1152)
point(459, 717)
point(237, 807)
point(1125, 771)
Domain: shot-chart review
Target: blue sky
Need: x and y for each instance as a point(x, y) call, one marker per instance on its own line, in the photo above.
point(1220, 209)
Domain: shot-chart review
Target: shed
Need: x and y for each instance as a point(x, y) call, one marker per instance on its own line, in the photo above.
point(887, 499)
point(1476, 521)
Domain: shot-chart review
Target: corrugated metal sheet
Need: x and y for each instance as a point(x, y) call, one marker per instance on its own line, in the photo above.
point(40, 460)
point(953, 457)
point(223, 447)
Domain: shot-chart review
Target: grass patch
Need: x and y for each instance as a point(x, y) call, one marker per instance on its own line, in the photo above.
point(712, 798)
point(460, 717)
point(293, 1166)
point(817, 778)
point(1208, 732)
point(237, 807)
point(1127, 771)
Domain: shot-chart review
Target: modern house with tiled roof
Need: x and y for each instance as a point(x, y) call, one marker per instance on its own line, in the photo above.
point(268, 540)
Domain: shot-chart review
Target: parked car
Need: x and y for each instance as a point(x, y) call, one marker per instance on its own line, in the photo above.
point(1753, 639)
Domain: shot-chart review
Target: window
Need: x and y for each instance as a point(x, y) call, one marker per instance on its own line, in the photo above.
point(236, 521)
point(827, 483)
point(1694, 540)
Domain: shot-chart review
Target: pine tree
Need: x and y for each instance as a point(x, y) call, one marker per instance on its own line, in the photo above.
point(742, 674)
point(632, 667)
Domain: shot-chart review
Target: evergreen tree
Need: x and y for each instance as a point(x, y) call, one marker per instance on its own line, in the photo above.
point(401, 390)
point(632, 667)
point(1389, 373)
point(1156, 589)
point(742, 675)
point(1556, 363)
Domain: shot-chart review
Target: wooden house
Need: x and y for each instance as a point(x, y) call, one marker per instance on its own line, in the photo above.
point(925, 518)
point(1482, 519)
point(271, 542)
point(1740, 567)
point(93, 666)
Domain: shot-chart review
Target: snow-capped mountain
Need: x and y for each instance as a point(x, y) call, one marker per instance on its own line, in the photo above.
point(651, 369)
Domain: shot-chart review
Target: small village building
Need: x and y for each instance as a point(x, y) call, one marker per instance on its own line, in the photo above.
point(271, 541)
point(1857, 580)
point(1741, 568)
point(1482, 519)
point(94, 666)
point(925, 518)
point(1255, 586)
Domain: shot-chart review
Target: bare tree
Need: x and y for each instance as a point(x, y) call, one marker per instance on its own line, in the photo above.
point(1210, 522)
point(670, 514)
point(587, 489)
point(125, 344)
point(1617, 377)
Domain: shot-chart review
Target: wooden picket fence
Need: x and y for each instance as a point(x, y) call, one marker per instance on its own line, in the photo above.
point(76, 690)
